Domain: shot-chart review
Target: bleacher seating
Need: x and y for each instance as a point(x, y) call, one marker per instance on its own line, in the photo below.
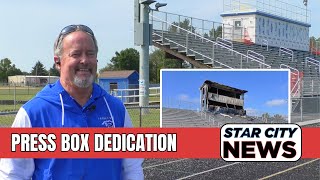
point(182, 118)
point(201, 50)
point(172, 117)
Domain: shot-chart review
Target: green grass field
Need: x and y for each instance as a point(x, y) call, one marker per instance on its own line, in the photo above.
point(6, 108)
point(6, 120)
point(19, 94)
point(8, 90)
point(19, 97)
point(152, 119)
point(19, 101)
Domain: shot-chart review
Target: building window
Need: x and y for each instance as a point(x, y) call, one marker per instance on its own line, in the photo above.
point(237, 23)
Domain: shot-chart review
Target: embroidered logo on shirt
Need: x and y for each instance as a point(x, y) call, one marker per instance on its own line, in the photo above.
point(107, 121)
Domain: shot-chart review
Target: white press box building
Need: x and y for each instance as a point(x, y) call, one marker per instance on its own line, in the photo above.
point(271, 22)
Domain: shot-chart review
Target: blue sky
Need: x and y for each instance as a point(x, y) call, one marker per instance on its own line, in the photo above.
point(29, 28)
point(267, 90)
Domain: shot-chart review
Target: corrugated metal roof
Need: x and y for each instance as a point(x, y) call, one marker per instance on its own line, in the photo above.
point(116, 74)
point(224, 87)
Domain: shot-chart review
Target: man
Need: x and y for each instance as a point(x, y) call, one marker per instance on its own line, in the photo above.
point(73, 101)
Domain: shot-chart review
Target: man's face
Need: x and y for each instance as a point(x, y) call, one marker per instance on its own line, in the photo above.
point(78, 64)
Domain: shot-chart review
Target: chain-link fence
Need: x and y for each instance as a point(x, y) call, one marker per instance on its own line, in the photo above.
point(12, 96)
point(171, 102)
point(139, 119)
point(150, 117)
point(6, 118)
point(304, 109)
point(307, 108)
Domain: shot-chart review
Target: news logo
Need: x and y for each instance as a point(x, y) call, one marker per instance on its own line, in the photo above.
point(260, 142)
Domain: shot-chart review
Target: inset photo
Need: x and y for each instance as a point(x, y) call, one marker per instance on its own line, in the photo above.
point(212, 98)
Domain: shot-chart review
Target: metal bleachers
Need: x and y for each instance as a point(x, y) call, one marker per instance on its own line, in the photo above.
point(172, 117)
point(209, 53)
point(202, 51)
point(182, 118)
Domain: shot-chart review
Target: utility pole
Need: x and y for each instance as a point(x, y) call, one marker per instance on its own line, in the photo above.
point(144, 58)
point(143, 38)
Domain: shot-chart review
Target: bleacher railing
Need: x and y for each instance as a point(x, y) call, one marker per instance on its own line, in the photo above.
point(225, 42)
point(296, 89)
point(209, 118)
point(186, 46)
point(266, 43)
point(173, 102)
point(257, 56)
point(195, 52)
point(312, 89)
point(132, 95)
point(286, 51)
point(242, 56)
point(313, 62)
point(199, 26)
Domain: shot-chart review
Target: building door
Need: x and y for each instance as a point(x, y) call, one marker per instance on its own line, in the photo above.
point(237, 30)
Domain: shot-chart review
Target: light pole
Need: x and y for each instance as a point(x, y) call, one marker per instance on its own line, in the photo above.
point(144, 53)
point(143, 38)
point(159, 5)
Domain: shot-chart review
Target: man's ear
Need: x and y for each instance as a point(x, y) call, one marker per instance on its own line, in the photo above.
point(57, 62)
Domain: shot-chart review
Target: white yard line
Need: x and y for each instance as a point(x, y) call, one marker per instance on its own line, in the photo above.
point(289, 169)
point(217, 168)
point(152, 166)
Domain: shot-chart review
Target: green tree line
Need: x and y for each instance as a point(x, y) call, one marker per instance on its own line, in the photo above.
point(127, 59)
point(314, 42)
point(213, 33)
point(7, 68)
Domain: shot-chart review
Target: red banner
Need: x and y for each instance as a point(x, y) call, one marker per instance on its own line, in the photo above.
point(124, 143)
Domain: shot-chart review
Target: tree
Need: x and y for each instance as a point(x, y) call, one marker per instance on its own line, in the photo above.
point(25, 73)
point(127, 59)
point(214, 33)
point(279, 117)
point(314, 46)
point(108, 67)
point(53, 71)
point(39, 70)
point(159, 61)
point(265, 117)
point(312, 42)
point(185, 24)
point(8, 69)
